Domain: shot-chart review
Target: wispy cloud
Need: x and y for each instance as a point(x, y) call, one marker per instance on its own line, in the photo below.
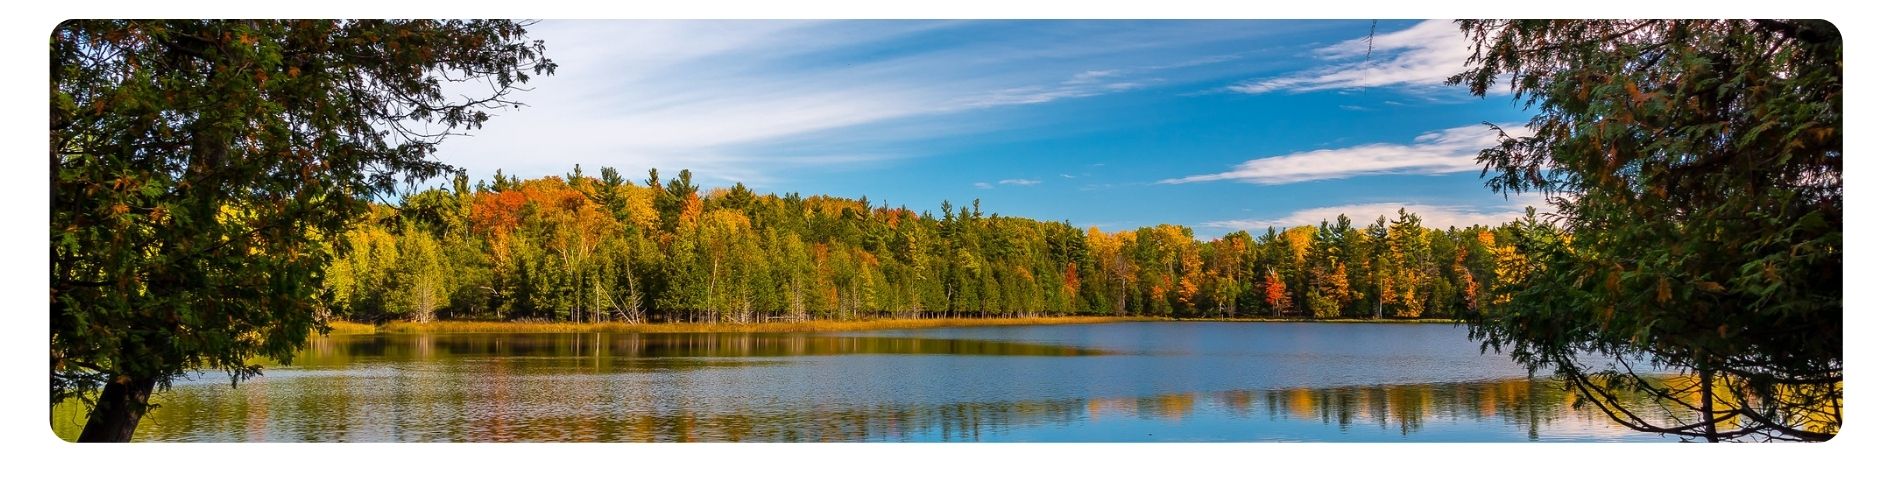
point(731, 99)
point(683, 94)
point(1444, 151)
point(1083, 84)
point(1362, 213)
point(1420, 56)
point(982, 185)
point(1019, 182)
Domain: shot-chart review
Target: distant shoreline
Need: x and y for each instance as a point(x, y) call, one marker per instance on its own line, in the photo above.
point(1427, 321)
point(349, 327)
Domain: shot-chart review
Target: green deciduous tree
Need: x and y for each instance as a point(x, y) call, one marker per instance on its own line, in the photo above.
point(1695, 171)
point(200, 167)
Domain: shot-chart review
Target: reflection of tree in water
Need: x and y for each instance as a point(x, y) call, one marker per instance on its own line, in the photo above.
point(529, 414)
point(1409, 407)
point(949, 422)
point(535, 387)
point(420, 347)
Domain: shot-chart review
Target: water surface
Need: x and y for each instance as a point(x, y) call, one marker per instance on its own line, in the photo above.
point(1072, 383)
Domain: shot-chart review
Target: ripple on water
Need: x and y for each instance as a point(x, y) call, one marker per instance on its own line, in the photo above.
point(1109, 382)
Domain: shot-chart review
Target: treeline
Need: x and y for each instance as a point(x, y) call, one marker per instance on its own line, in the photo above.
point(583, 248)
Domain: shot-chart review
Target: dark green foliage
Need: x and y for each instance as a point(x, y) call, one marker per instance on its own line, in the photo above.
point(201, 168)
point(1695, 171)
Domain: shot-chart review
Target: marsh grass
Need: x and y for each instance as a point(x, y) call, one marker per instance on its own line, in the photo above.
point(349, 327)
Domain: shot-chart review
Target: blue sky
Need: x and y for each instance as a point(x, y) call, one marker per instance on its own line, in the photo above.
point(1216, 125)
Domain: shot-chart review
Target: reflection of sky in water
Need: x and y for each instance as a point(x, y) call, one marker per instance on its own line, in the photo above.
point(1118, 382)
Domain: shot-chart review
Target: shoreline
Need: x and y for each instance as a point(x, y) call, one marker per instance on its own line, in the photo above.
point(352, 328)
point(1389, 321)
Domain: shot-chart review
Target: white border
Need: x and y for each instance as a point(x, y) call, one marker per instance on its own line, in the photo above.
point(35, 459)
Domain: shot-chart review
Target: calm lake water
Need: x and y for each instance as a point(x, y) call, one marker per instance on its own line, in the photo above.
point(1101, 382)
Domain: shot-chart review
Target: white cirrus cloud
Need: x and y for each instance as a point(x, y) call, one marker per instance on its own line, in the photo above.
point(1083, 84)
point(1019, 182)
point(758, 101)
point(1436, 216)
point(1419, 56)
point(1444, 151)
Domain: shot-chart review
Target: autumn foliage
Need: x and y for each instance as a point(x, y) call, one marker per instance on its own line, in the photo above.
point(584, 248)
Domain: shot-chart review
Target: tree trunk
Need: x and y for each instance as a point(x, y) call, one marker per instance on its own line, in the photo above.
point(119, 409)
point(1708, 404)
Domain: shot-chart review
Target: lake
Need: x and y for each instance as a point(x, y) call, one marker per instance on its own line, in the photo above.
point(1114, 382)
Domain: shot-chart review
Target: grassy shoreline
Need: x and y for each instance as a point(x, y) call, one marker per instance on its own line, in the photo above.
point(349, 327)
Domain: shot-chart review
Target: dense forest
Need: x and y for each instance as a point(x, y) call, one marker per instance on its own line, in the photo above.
point(595, 249)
